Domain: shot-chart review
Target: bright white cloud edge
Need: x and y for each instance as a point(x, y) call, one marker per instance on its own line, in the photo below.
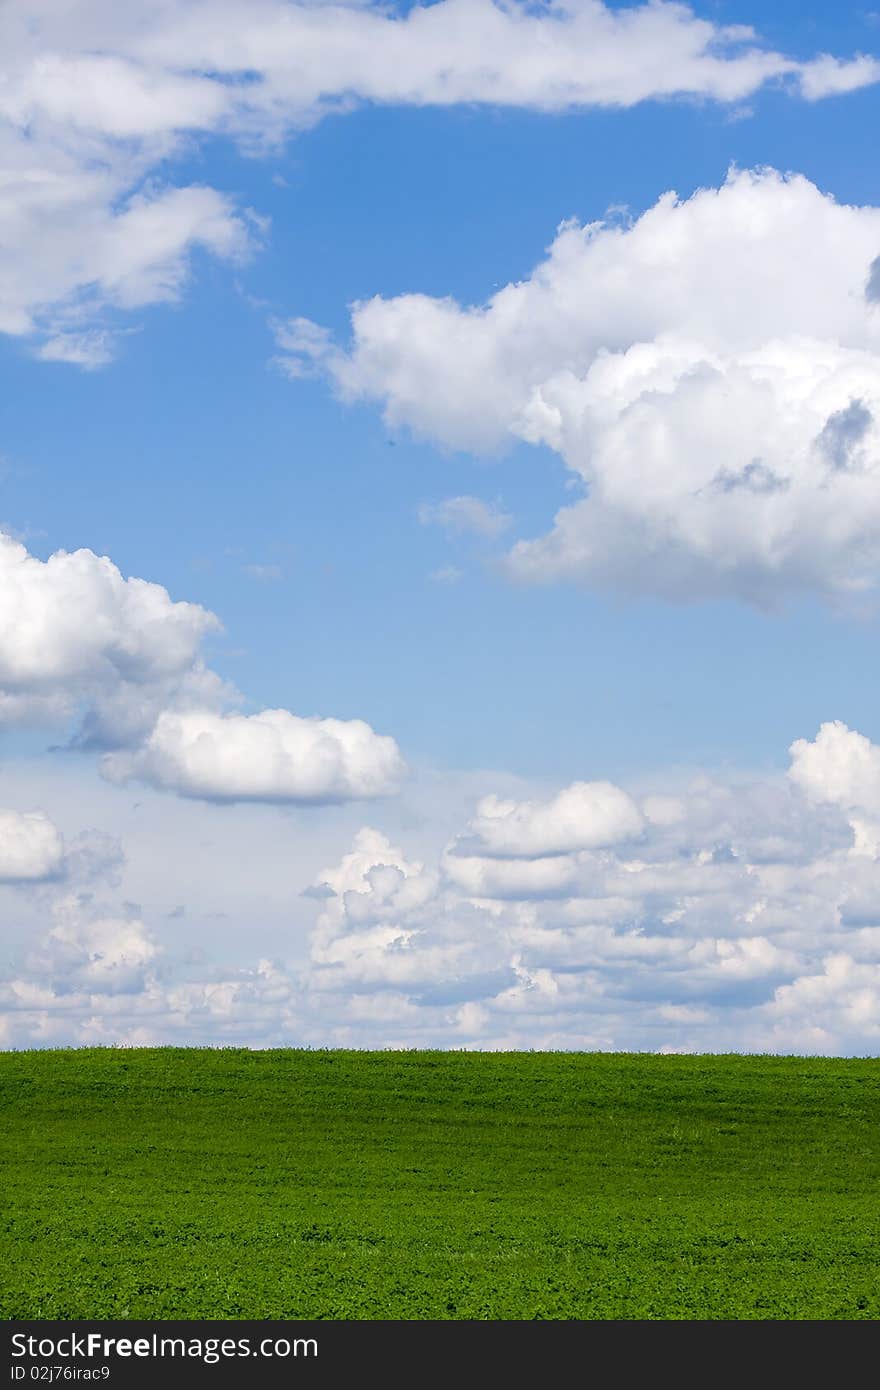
point(79, 641)
point(710, 374)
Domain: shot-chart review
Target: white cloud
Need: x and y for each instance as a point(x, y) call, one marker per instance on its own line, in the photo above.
point(74, 615)
point(827, 76)
point(305, 347)
point(839, 766)
point(710, 374)
point(586, 815)
point(93, 969)
point(78, 639)
point(73, 630)
point(81, 237)
point(103, 955)
point(271, 756)
point(500, 879)
point(744, 918)
point(817, 1011)
point(702, 941)
point(143, 260)
point(466, 515)
point(88, 955)
point(89, 349)
point(308, 59)
point(31, 847)
point(371, 889)
point(96, 98)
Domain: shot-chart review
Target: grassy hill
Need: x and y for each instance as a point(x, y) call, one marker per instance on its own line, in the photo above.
point(160, 1183)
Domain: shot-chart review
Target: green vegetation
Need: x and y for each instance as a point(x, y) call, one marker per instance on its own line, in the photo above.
point(175, 1183)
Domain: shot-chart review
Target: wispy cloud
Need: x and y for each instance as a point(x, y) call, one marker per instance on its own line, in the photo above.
point(466, 515)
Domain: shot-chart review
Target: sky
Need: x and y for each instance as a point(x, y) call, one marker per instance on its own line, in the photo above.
point(440, 506)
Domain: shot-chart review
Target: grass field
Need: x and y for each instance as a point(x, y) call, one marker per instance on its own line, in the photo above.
point(175, 1183)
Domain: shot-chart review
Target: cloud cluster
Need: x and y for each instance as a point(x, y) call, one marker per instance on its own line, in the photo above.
point(728, 914)
point(91, 969)
point(93, 954)
point(97, 99)
point(77, 639)
point(721, 914)
point(709, 373)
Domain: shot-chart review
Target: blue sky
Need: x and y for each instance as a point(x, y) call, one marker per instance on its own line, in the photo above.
point(190, 446)
point(176, 441)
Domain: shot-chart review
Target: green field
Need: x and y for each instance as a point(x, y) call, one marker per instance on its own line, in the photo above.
point(175, 1183)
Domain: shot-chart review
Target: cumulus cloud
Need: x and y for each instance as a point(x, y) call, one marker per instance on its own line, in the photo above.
point(75, 633)
point(79, 639)
point(369, 891)
point(840, 767)
point(745, 915)
point(842, 1000)
point(86, 946)
point(736, 914)
point(97, 99)
point(31, 847)
point(724, 913)
point(90, 954)
point(586, 815)
point(271, 756)
point(74, 617)
point(710, 375)
point(93, 954)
